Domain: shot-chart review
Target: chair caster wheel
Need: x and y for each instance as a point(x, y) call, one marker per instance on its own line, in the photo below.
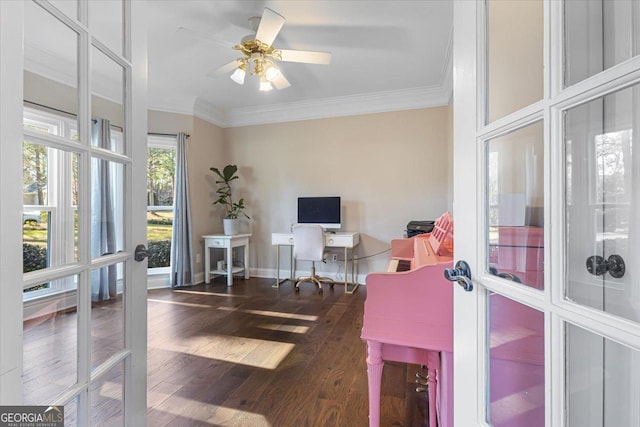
point(320, 291)
point(297, 290)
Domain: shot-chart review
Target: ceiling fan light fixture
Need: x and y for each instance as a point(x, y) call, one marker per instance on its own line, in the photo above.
point(265, 85)
point(260, 56)
point(271, 71)
point(239, 74)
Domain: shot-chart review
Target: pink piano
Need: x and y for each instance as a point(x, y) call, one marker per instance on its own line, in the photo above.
point(408, 317)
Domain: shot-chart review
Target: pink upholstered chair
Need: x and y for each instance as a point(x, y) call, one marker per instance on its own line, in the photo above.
point(308, 245)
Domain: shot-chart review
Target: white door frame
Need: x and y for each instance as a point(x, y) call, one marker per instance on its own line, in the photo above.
point(11, 202)
point(11, 277)
point(136, 318)
point(469, 135)
point(466, 365)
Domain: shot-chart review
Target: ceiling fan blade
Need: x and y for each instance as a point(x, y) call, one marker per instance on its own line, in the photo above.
point(280, 82)
point(225, 68)
point(198, 35)
point(306, 56)
point(270, 25)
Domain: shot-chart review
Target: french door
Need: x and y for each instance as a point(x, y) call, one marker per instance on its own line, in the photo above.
point(547, 213)
point(73, 131)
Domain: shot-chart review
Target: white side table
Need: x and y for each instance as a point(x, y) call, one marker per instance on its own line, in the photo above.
point(221, 241)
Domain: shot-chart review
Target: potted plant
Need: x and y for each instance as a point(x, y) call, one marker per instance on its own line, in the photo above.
point(225, 198)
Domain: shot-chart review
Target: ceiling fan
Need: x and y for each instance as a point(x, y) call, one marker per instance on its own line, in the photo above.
point(260, 56)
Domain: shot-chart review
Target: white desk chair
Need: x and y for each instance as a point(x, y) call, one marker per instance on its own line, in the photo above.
point(309, 246)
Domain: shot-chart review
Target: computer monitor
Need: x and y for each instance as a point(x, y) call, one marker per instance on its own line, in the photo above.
point(320, 210)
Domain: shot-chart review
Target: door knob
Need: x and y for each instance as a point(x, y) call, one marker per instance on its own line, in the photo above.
point(598, 266)
point(509, 276)
point(460, 274)
point(140, 253)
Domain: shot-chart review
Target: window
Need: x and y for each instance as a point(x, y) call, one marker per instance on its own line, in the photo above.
point(49, 217)
point(49, 223)
point(161, 167)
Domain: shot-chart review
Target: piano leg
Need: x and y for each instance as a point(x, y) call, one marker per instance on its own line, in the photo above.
point(433, 368)
point(374, 373)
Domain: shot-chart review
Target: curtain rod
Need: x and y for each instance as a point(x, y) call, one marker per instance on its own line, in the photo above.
point(51, 108)
point(57, 110)
point(165, 134)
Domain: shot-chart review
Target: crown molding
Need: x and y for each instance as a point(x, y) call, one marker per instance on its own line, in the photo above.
point(186, 110)
point(447, 69)
point(377, 102)
point(208, 112)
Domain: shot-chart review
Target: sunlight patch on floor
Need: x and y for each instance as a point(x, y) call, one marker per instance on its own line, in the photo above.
point(274, 314)
point(202, 412)
point(516, 405)
point(245, 351)
point(212, 294)
point(296, 329)
point(111, 390)
point(185, 304)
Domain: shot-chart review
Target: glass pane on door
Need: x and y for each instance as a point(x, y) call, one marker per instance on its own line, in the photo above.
point(598, 35)
point(107, 312)
point(107, 207)
point(107, 102)
point(107, 398)
point(106, 22)
point(514, 56)
point(50, 342)
point(516, 364)
point(602, 380)
point(602, 211)
point(49, 218)
point(515, 206)
point(50, 65)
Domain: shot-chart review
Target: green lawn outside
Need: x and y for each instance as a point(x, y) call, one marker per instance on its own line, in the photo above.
point(159, 225)
point(37, 234)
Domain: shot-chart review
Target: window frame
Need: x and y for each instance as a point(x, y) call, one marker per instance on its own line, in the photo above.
point(168, 142)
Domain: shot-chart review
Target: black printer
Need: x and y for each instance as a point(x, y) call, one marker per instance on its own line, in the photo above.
point(419, 227)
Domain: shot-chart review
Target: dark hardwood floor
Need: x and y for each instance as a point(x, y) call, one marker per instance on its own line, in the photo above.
point(248, 355)
point(253, 355)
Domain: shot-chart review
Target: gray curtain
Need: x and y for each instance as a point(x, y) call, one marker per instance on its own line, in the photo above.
point(103, 233)
point(182, 272)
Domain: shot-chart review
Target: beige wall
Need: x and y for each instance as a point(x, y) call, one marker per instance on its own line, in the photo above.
point(206, 149)
point(514, 55)
point(389, 168)
point(170, 123)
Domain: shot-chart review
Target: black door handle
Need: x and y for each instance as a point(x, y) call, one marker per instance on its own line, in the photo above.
point(598, 266)
point(509, 276)
point(140, 253)
point(460, 274)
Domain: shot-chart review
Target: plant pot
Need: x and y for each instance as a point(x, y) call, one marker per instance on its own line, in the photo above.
point(231, 226)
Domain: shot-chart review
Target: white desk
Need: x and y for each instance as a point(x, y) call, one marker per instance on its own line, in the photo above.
point(343, 240)
point(221, 241)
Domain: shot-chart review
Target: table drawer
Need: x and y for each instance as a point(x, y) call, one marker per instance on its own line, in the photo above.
point(217, 243)
point(337, 240)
